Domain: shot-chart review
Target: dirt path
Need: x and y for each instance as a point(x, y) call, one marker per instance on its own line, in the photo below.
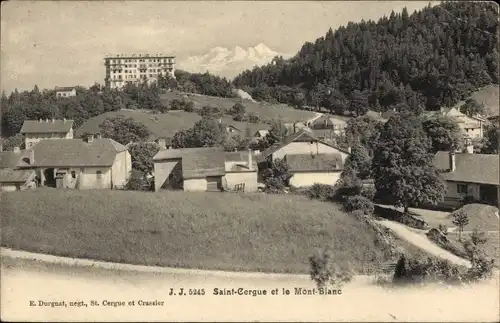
point(421, 241)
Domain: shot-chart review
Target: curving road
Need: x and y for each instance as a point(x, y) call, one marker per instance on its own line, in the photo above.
point(35, 277)
point(423, 242)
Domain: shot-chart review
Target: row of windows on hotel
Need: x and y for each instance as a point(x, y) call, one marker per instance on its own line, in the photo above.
point(159, 60)
point(133, 76)
point(154, 70)
point(141, 65)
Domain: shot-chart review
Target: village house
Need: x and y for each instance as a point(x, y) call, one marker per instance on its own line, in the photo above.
point(336, 124)
point(307, 169)
point(37, 130)
point(205, 169)
point(301, 142)
point(471, 126)
point(12, 178)
point(74, 163)
point(190, 169)
point(65, 92)
point(475, 176)
point(260, 134)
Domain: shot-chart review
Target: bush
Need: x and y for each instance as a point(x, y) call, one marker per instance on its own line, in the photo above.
point(253, 117)
point(137, 182)
point(210, 111)
point(359, 202)
point(348, 185)
point(368, 192)
point(321, 192)
point(427, 269)
point(325, 272)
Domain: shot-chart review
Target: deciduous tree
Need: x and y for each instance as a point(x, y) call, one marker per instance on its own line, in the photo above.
point(403, 166)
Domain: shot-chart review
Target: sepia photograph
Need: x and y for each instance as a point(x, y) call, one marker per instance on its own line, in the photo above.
point(249, 161)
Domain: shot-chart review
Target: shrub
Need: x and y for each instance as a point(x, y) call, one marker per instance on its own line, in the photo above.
point(325, 272)
point(443, 228)
point(253, 117)
point(368, 192)
point(348, 185)
point(321, 192)
point(188, 106)
point(137, 182)
point(359, 202)
point(210, 111)
point(427, 269)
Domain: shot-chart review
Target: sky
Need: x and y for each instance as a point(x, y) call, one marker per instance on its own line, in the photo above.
point(64, 43)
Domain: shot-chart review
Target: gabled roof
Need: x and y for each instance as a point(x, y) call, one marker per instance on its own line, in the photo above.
point(65, 88)
point(261, 133)
point(240, 157)
point(47, 125)
point(8, 175)
point(314, 163)
point(10, 159)
point(329, 120)
point(76, 153)
point(300, 136)
point(196, 162)
point(470, 168)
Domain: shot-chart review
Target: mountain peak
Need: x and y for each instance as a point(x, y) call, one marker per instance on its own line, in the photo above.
point(229, 62)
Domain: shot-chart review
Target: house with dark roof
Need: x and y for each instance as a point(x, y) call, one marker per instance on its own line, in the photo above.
point(310, 169)
point(37, 130)
point(81, 164)
point(301, 142)
point(469, 175)
point(65, 91)
point(12, 177)
point(336, 124)
point(190, 169)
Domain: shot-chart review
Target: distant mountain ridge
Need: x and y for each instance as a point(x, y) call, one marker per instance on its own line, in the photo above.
point(229, 62)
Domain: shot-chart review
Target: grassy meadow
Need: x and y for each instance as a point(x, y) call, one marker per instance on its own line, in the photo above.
point(227, 231)
point(266, 111)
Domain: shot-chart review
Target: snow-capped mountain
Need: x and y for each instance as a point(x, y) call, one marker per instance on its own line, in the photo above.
point(229, 62)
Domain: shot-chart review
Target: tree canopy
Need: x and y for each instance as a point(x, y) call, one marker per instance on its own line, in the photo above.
point(402, 164)
point(431, 58)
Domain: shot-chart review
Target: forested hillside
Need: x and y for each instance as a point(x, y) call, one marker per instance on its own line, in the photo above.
point(431, 58)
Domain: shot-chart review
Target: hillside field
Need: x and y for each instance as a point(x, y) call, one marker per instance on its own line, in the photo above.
point(489, 96)
point(266, 111)
point(228, 231)
point(161, 124)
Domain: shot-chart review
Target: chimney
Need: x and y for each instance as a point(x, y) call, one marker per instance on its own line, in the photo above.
point(90, 138)
point(220, 120)
point(53, 120)
point(32, 156)
point(47, 120)
point(453, 164)
point(349, 149)
point(17, 150)
point(250, 159)
point(294, 127)
point(64, 120)
point(162, 143)
point(40, 120)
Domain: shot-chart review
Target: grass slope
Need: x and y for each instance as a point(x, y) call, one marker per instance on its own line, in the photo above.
point(160, 125)
point(251, 232)
point(489, 96)
point(266, 111)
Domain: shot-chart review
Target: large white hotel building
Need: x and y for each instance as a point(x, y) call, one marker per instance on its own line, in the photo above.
point(122, 69)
